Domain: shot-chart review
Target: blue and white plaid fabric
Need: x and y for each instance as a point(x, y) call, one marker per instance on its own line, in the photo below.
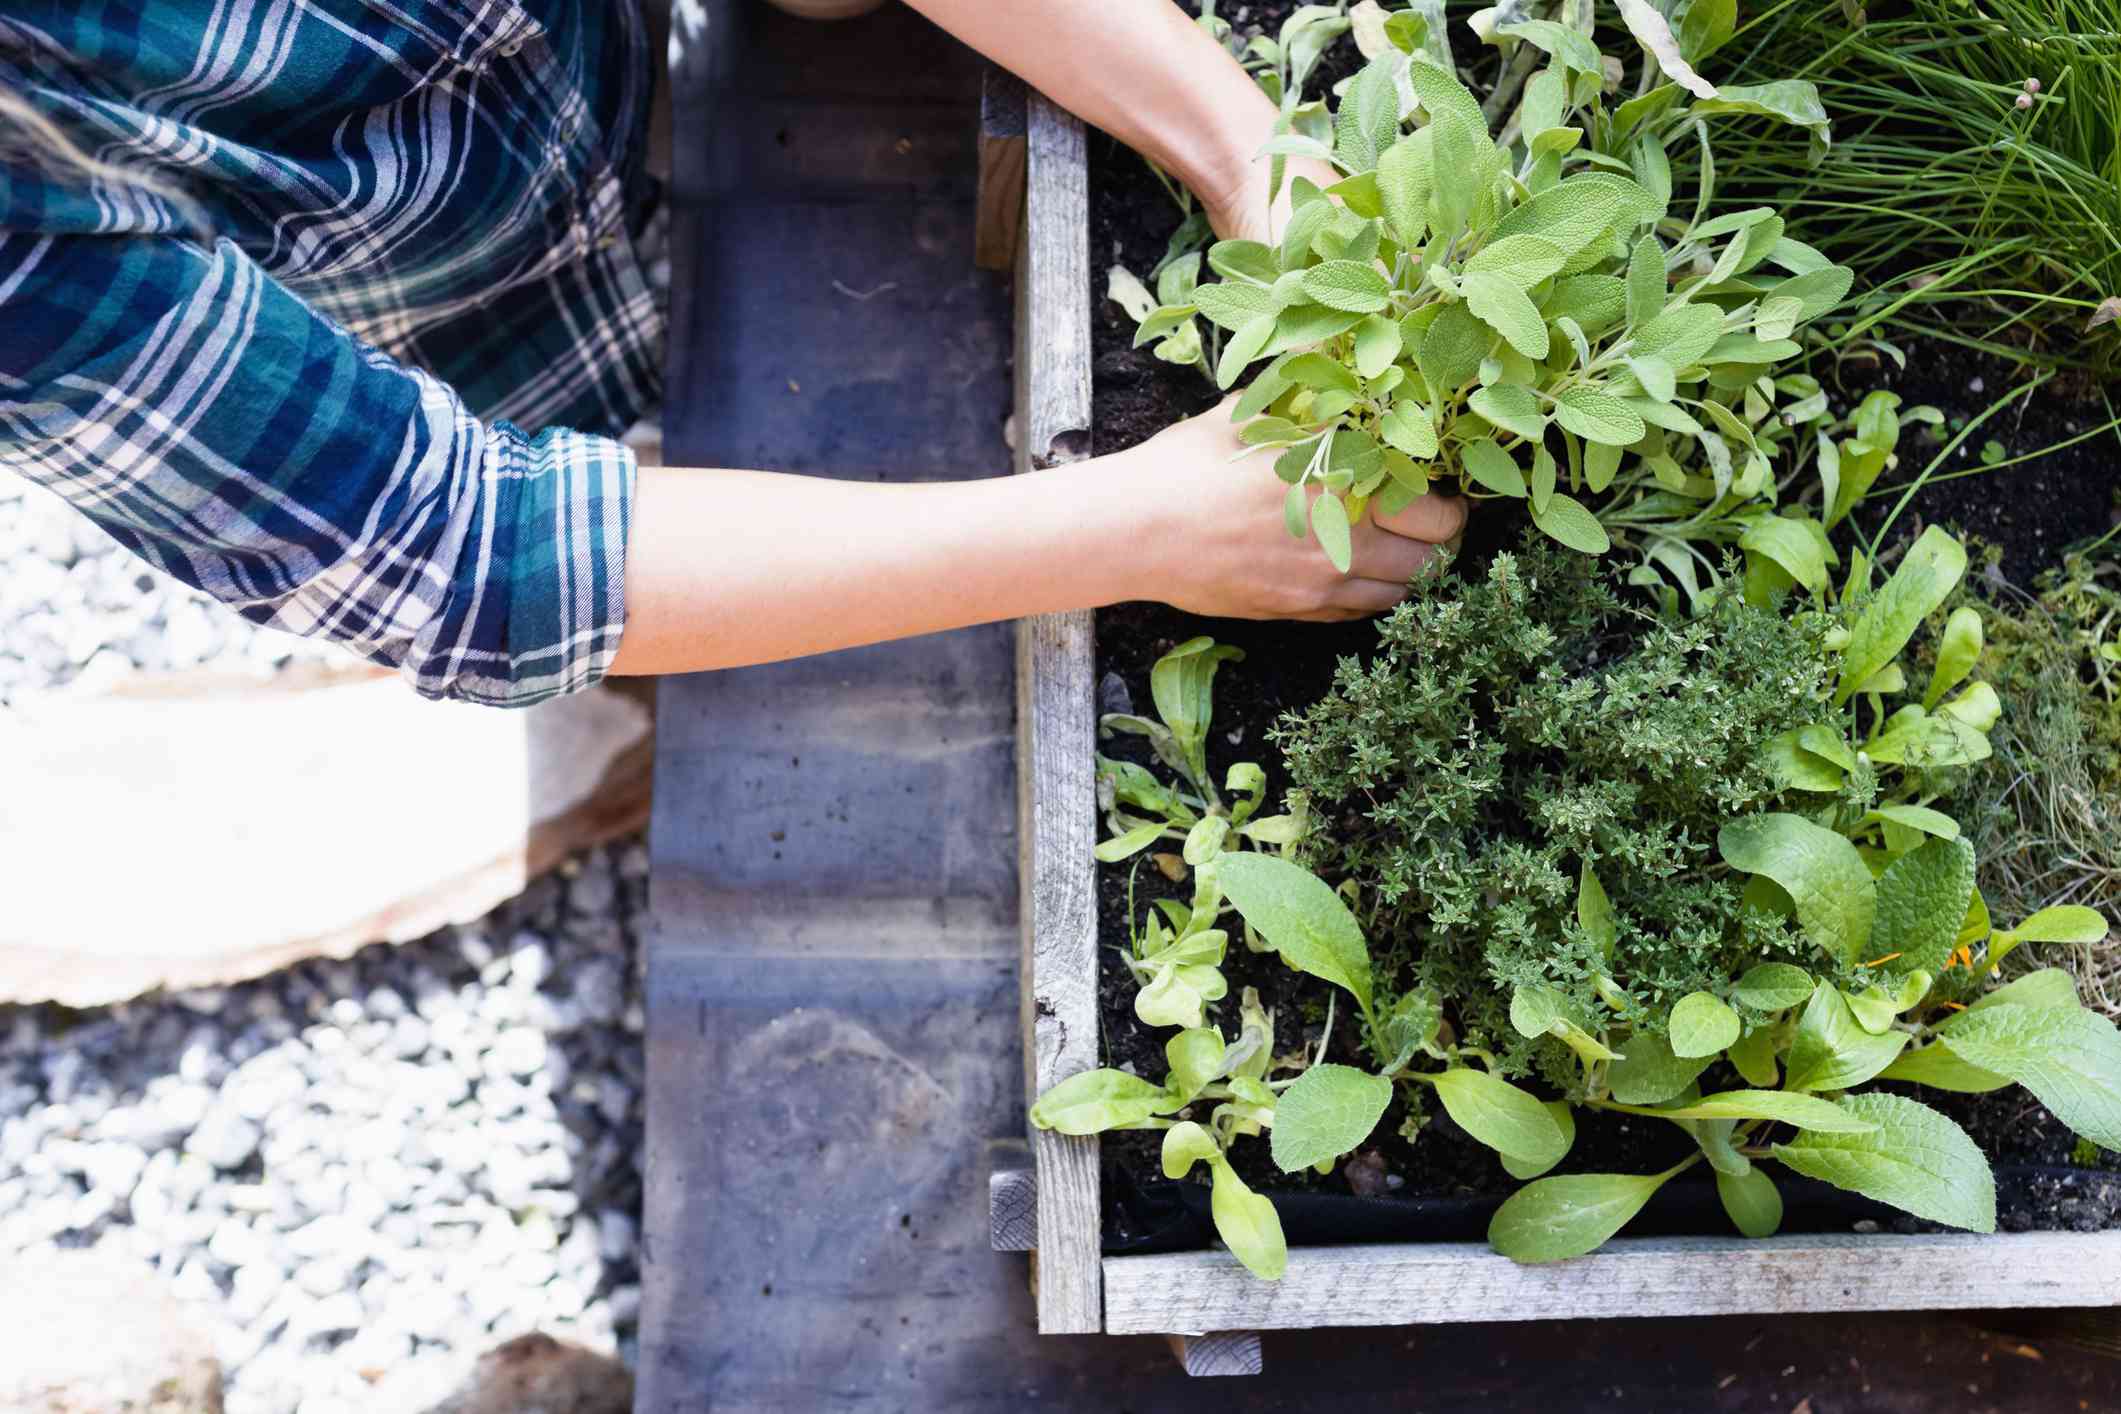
point(417, 244)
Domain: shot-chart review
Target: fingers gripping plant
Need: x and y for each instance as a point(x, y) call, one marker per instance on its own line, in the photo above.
point(1524, 317)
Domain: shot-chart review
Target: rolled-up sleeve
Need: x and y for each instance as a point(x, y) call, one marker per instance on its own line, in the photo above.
point(224, 431)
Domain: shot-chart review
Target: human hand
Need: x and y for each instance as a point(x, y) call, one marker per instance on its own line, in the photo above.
point(1233, 188)
point(1220, 547)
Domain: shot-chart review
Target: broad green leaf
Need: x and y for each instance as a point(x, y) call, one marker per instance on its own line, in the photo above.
point(1233, 304)
point(1832, 1052)
point(1773, 986)
point(1804, 1111)
point(1680, 336)
point(1706, 28)
point(1916, 1160)
point(1648, 26)
point(2049, 987)
point(2062, 923)
point(1648, 1073)
point(1182, 682)
point(1595, 302)
point(1579, 211)
point(1205, 840)
point(1658, 379)
point(1195, 1056)
point(1819, 291)
point(1413, 1020)
point(1936, 1066)
point(1301, 917)
point(1646, 281)
point(1926, 575)
point(1794, 768)
point(1702, 1026)
point(1499, 1115)
point(1172, 999)
point(1793, 101)
point(1329, 522)
point(1499, 303)
point(1545, 102)
point(1328, 1111)
point(1522, 260)
point(1377, 343)
point(1368, 120)
point(1922, 899)
point(1247, 344)
point(1511, 407)
point(1492, 467)
point(2069, 1058)
point(1820, 870)
point(1128, 845)
point(1873, 1008)
point(1247, 261)
point(1186, 1144)
point(1917, 817)
point(1600, 463)
point(1406, 428)
point(1405, 174)
point(1753, 1057)
point(1572, 48)
point(1598, 417)
point(1542, 1011)
point(1452, 349)
point(1525, 1169)
point(1351, 285)
point(1752, 1202)
point(1556, 1218)
point(1302, 325)
point(1462, 147)
point(1248, 1225)
point(1792, 547)
point(1098, 1100)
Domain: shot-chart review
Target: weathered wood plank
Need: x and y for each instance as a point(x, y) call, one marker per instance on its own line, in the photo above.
point(1219, 1353)
point(1651, 1276)
point(1056, 796)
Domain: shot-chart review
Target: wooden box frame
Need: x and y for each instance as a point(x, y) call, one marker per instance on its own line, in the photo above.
point(1053, 1204)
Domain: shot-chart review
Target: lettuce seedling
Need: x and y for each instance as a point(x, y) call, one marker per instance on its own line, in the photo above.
point(1176, 954)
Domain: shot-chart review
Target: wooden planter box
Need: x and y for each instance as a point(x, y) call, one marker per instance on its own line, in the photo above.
point(1051, 1202)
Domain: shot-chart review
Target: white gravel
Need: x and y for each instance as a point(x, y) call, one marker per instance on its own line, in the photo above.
point(377, 1166)
point(78, 612)
point(404, 1157)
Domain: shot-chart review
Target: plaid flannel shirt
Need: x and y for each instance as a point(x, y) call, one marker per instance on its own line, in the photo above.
point(417, 242)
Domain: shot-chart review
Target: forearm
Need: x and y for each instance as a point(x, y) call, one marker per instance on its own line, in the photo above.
point(727, 568)
point(1139, 69)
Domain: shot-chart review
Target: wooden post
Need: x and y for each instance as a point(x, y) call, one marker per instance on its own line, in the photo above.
point(1219, 1353)
point(1002, 159)
point(1012, 1196)
point(1056, 788)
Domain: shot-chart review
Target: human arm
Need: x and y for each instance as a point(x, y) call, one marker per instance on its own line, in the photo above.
point(735, 567)
point(1144, 72)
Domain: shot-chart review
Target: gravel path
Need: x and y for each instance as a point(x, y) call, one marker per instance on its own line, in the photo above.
point(391, 1161)
point(381, 1166)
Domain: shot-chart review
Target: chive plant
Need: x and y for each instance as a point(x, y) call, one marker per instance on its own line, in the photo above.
point(1977, 157)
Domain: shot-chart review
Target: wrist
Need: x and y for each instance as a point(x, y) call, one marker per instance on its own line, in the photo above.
point(1126, 538)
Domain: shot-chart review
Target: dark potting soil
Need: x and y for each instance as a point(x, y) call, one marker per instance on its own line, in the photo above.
point(2031, 513)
